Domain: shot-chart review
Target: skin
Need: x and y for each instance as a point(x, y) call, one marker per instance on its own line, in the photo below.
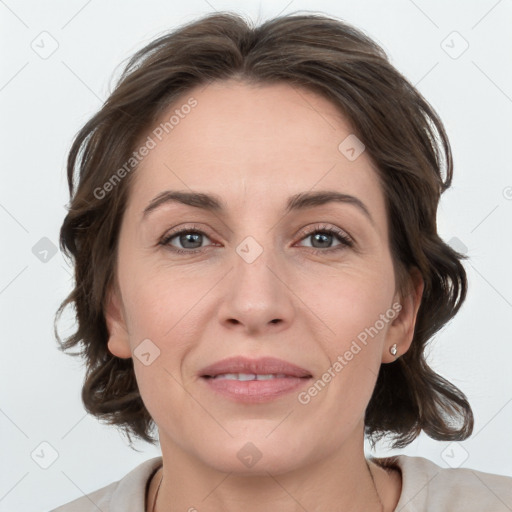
point(254, 147)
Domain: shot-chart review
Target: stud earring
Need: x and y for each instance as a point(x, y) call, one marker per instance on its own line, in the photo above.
point(393, 349)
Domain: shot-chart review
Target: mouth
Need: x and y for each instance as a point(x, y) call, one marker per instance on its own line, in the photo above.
point(249, 376)
point(244, 368)
point(254, 380)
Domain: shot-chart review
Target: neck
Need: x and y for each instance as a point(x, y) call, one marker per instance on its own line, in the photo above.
point(341, 480)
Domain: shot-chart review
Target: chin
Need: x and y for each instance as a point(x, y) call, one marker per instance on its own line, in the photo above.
point(257, 454)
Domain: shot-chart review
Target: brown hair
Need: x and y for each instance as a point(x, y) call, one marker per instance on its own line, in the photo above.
point(403, 137)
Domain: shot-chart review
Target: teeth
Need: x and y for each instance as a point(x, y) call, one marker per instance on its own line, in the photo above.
point(249, 376)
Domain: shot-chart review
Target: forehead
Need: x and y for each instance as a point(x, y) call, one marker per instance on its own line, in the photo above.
point(253, 145)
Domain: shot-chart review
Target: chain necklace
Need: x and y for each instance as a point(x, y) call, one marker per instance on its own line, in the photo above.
point(374, 486)
point(157, 489)
point(370, 471)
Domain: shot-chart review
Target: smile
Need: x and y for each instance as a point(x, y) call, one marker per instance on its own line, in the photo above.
point(249, 376)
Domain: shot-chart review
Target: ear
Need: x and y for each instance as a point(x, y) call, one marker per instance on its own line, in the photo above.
point(118, 341)
point(401, 330)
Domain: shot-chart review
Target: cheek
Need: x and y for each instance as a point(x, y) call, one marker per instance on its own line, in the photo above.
point(160, 311)
point(353, 304)
point(352, 301)
point(161, 301)
point(164, 312)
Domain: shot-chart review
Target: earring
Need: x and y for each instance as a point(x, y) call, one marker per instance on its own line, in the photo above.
point(393, 349)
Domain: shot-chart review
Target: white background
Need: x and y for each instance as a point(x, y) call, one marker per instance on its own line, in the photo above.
point(44, 102)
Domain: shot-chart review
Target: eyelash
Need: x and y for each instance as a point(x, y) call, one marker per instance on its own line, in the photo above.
point(345, 240)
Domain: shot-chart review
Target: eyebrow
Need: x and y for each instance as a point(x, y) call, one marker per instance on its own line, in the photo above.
point(296, 202)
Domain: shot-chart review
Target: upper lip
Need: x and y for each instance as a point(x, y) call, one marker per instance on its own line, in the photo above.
point(260, 366)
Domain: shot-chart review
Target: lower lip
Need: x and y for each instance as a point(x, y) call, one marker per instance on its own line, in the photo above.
point(254, 391)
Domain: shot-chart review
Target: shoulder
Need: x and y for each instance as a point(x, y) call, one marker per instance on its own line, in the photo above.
point(125, 495)
point(427, 486)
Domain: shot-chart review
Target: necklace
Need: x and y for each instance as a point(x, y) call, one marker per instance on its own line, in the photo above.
point(369, 470)
point(157, 489)
point(375, 487)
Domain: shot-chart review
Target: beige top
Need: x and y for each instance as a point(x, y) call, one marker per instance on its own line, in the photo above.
point(426, 487)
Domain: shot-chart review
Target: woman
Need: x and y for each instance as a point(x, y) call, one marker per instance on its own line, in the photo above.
point(258, 272)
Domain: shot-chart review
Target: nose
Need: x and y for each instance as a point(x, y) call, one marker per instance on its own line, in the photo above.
point(257, 299)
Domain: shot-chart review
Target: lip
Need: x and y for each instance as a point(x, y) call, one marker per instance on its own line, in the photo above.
point(254, 391)
point(260, 366)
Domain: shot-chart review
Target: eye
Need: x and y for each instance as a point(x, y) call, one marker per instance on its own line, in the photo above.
point(189, 238)
point(323, 236)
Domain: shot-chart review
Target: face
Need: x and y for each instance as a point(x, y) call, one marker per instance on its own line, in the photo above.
point(312, 285)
